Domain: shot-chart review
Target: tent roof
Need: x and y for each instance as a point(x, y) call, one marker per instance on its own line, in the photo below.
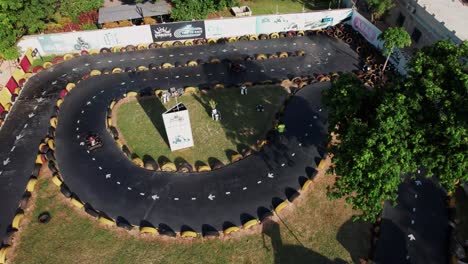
point(126, 12)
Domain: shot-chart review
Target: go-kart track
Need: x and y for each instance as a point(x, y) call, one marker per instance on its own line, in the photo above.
point(111, 183)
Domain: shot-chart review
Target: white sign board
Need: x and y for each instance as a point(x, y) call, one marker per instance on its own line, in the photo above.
point(221, 28)
point(178, 129)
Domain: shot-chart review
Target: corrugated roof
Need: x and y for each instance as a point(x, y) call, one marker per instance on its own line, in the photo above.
point(125, 12)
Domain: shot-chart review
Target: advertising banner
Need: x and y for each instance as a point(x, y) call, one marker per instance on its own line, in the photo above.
point(178, 31)
point(324, 19)
point(178, 129)
point(366, 29)
point(96, 39)
point(221, 28)
point(279, 23)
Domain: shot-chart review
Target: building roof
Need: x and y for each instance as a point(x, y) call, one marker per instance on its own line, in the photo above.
point(452, 12)
point(125, 12)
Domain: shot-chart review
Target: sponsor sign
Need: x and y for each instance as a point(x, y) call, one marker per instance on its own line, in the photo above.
point(178, 129)
point(367, 29)
point(221, 28)
point(279, 23)
point(178, 31)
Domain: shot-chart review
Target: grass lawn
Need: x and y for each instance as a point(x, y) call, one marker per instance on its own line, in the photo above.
point(141, 124)
point(268, 7)
point(314, 230)
point(38, 61)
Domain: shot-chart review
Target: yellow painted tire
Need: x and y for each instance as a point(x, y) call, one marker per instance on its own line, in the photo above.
point(142, 46)
point(17, 220)
point(274, 35)
point(204, 168)
point(190, 234)
point(53, 122)
point(261, 57)
point(8, 107)
point(93, 52)
point(149, 230)
point(138, 161)
point(112, 104)
point(283, 55)
point(300, 53)
point(77, 203)
point(116, 49)
point(142, 68)
point(230, 230)
point(17, 90)
point(56, 180)
point(169, 167)
point(191, 89)
point(306, 185)
point(68, 56)
point(95, 73)
point(321, 165)
point(167, 65)
point(166, 44)
point(324, 79)
point(248, 84)
point(119, 143)
point(232, 39)
point(106, 221)
point(236, 157)
point(212, 41)
point(42, 145)
point(31, 184)
point(188, 43)
point(253, 37)
point(192, 63)
point(300, 33)
point(281, 206)
point(302, 84)
point(117, 70)
point(215, 60)
point(51, 144)
point(109, 122)
point(250, 224)
point(70, 86)
point(219, 86)
point(158, 92)
point(272, 56)
point(47, 64)
point(132, 94)
point(39, 159)
point(3, 253)
point(59, 102)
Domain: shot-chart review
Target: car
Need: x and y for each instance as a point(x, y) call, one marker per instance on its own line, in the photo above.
point(237, 67)
point(93, 141)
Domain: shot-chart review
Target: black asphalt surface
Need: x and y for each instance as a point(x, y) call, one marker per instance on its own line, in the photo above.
point(28, 121)
point(421, 212)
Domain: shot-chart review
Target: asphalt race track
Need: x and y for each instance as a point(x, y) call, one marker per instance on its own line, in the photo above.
point(112, 183)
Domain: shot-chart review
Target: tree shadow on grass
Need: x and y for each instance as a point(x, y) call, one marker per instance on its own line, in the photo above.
point(154, 110)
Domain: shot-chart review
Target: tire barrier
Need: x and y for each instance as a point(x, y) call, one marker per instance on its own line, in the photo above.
point(215, 60)
point(76, 202)
point(3, 253)
point(17, 219)
point(231, 230)
point(274, 35)
point(306, 185)
point(249, 224)
point(167, 65)
point(204, 168)
point(261, 57)
point(47, 65)
point(263, 36)
point(189, 234)
point(184, 167)
point(235, 157)
point(31, 184)
point(90, 210)
point(218, 86)
point(36, 170)
point(169, 167)
point(148, 230)
point(154, 46)
point(57, 180)
point(142, 47)
point(25, 200)
point(192, 63)
point(281, 206)
point(188, 43)
point(103, 219)
point(139, 162)
point(65, 190)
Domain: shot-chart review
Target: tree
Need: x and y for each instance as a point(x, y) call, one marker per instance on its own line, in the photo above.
point(393, 37)
point(420, 120)
point(379, 7)
point(73, 8)
point(21, 17)
point(186, 10)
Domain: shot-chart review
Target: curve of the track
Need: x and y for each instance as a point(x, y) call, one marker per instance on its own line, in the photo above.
point(174, 199)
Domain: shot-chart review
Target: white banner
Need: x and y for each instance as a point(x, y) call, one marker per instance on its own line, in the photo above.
point(178, 129)
point(74, 42)
point(221, 28)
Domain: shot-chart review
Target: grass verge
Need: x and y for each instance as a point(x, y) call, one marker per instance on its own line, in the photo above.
point(140, 122)
point(314, 230)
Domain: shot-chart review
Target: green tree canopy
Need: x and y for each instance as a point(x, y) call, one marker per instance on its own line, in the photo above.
point(379, 7)
point(73, 8)
point(417, 121)
point(186, 10)
point(394, 37)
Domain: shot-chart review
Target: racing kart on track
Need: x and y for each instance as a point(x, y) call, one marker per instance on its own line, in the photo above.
point(93, 141)
point(237, 67)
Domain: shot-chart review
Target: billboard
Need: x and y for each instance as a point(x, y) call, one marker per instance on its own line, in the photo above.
point(178, 129)
point(178, 31)
point(279, 23)
point(95, 39)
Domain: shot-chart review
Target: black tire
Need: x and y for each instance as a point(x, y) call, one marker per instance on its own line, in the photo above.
point(25, 200)
point(51, 132)
point(90, 210)
point(126, 150)
point(65, 190)
point(263, 36)
point(13, 97)
point(52, 167)
point(37, 168)
point(44, 217)
point(8, 239)
point(105, 50)
point(154, 46)
point(211, 233)
point(114, 132)
point(50, 155)
point(185, 168)
point(177, 44)
point(123, 223)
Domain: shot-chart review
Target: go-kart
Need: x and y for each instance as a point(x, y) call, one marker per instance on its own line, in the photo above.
point(93, 141)
point(237, 67)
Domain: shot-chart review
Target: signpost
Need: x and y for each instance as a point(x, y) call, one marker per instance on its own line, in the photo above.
point(178, 129)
